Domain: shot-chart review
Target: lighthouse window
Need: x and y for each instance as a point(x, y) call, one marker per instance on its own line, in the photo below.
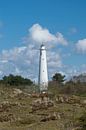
point(43, 70)
point(43, 59)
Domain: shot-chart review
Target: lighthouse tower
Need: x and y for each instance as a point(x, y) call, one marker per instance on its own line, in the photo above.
point(43, 75)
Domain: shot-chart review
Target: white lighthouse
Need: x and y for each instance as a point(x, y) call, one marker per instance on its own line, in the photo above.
point(43, 75)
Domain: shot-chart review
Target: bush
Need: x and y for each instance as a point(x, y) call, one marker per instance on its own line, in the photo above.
point(15, 80)
point(82, 121)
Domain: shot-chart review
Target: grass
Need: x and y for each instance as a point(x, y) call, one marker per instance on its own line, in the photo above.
point(23, 119)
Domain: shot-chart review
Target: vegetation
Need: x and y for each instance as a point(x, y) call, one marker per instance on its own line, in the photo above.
point(58, 78)
point(82, 121)
point(69, 107)
point(12, 80)
point(70, 87)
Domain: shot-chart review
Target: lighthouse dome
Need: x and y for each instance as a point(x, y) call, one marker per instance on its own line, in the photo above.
point(43, 47)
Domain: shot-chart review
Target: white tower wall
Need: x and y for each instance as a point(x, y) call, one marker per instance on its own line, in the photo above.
point(43, 75)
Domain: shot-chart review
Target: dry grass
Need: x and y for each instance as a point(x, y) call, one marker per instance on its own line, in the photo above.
point(23, 119)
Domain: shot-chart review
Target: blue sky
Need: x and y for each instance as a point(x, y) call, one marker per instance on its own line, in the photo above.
point(63, 27)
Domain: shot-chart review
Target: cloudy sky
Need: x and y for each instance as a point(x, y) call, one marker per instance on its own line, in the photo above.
point(25, 24)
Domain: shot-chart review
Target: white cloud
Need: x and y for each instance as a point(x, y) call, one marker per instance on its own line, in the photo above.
point(19, 60)
point(61, 39)
point(24, 60)
point(72, 70)
point(3, 61)
point(54, 59)
point(81, 46)
point(39, 34)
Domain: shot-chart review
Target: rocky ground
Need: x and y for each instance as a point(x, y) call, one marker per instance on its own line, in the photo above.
point(20, 110)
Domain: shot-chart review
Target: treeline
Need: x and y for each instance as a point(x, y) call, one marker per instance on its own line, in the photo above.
point(17, 80)
point(58, 84)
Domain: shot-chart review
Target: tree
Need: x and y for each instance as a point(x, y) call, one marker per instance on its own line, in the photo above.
point(58, 77)
point(16, 80)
